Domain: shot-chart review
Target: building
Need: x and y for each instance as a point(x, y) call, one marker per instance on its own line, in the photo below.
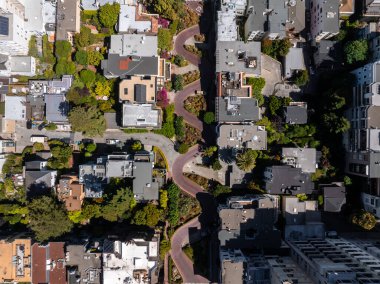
point(57, 108)
point(226, 28)
point(132, 261)
point(133, 44)
point(15, 261)
point(7, 146)
point(71, 192)
point(335, 261)
point(232, 266)
point(232, 84)
point(294, 62)
point(287, 180)
point(233, 109)
point(68, 20)
point(133, 20)
point(324, 19)
point(83, 265)
point(328, 54)
point(242, 136)
point(52, 87)
point(371, 9)
point(295, 23)
point(14, 38)
point(48, 263)
point(138, 89)
point(17, 65)
point(248, 222)
point(303, 158)
point(238, 56)
point(94, 5)
point(346, 8)
point(93, 178)
point(302, 219)
point(15, 108)
point(296, 113)
point(119, 166)
point(141, 116)
point(39, 182)
point(334, 196)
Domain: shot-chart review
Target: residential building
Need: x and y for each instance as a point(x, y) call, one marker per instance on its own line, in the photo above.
point(36, 165)
point(287, 180)
point(238, 56)
point(17, 65)
point(138, 89)
point(233, 109)
point(226, 28)
point(39, 182)
point(335, 261)
point(242, 136)
point(83, 265)
point(371, 201)
point(284, 270)
point(132, 261)
point(57, 108)
point(232, 84)
point(303, 158)
point(15, 108)
point(35, 109)
point(4, 85)
point(371, 9)
point(296, 113)
point(328, 54)
point(324, 19)
point(70, 192)
point(294, 62)
point(133, 20)
point(302, 219)
point(248, 222)
point(15, 261)
point(7, 146)
point(133, 44)
point(48, 263)
point(119, 166)
point(94, 5)
point(52, 87)
point(93, 178)
point(68, 20)
point(334, 196)
point(232, 266)
point(141, 116)
point(346, 8)
point(14, 37)
point(295, 23)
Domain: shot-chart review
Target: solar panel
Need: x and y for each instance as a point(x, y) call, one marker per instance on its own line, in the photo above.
point(4, 26)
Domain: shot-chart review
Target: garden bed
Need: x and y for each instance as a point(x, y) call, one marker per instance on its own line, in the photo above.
point(195, 104)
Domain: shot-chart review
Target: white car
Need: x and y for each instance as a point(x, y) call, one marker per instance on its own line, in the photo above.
point(112, 141)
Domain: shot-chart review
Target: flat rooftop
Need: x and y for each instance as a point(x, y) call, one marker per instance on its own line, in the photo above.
point(141, 115)
point(242, 136)
point(235, 109)
point(134, 44)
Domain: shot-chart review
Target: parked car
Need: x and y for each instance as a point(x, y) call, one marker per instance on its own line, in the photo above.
point(112, 141)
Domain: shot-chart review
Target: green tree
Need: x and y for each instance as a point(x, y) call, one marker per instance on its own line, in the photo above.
point(64, 67)
point(165, 39)
point(166, 8)
point(210, 151)
point(117, 204)
point(163, 199)
point(179, 125)
point(257, 85)
point(183, 148)
point(94, 57)
point(221, 189)
point(91, 147)
point(246, 160)
point(173, 210)
point(62, 49)
point(274, 105)
point(81, 57)
point(178, 83)
point(14, 213)
point(89, 121)
point(48, 218)
point(276, 48)
point(51, 126)
point(216, 166)
point(109, 14)
point(209, 117)
point(148, 216)
point(335, 124)
point(364, 219)
point(33, 50)
point(347, 181)
point(87, 77)
point(336, 102)
point(301, 78)
point(38, 147)
point(136, 146)
point(356, 51)
point(61, 155)
point(84, 38)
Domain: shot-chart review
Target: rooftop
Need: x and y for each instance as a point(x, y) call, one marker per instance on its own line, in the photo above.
point(119, 166)
point(138, 89)
point(141, 116)
point(39, 182)
point(231, 84)
point(296, 114)
point(144, 188)
point(93, 177)
point(347, 7)
point(22, 64)
point(133, 44)
point(57, 108)
point(303, 158)
point(241, 136)
point(238, 56)
point(55, 86)
point(15, 107)
point(226, 26)
point(294, 61)
point(71, 192)
point(235, 109)
point(131, 21)
point(68, 19)
point(95, 4)
point(334, 196)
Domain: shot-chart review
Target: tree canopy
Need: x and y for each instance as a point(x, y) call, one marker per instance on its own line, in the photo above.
point(81, 57)
point(165, 39)
point(84, 38)
point(301, 78)
point(89, 121)
point(173, 209)
point(149, 215)
point(356, 51)
point(62, 49)
point(209, 117)
point(117, 204)
point(276, 48)
point(364, 219)
point(109, 14)
point(246, 161)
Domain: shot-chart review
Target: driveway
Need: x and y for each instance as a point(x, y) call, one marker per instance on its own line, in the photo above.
point(271, 72)
point(180, 41)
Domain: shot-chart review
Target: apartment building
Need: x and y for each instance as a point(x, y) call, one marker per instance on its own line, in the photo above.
point(371, 9)
point(324, 19)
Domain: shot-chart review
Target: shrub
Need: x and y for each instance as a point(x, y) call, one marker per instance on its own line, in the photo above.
point(216, 166)
point(193, 49)
point(195, 104)
point(81, 57)
point(183, 148)
point(200, 37)
point(257, 87)
point(301, 78)
point(178, 83)
point(180, 61)
point(276, 48)
point(38, 146)
point(356, 51)
point(364, 219)
point(209, 117)
point(162, 98)
point(165, 39)
point(51, 126)
point(191, 76)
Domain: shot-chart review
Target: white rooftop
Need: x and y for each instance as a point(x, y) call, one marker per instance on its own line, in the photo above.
point(134, 44)
point(15, 107)
point(127, 20)
point(227, 28)
point(140, 115)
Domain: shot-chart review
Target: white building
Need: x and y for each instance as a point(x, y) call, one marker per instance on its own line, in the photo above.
point(14, 37)
point(18, 65)
point(128, 20)
point(131, 262)
point(15, 108)
point(324, 19)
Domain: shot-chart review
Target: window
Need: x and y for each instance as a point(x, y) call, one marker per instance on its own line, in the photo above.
point(125, 91)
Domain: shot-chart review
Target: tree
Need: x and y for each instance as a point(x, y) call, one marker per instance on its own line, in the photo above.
point(94, 57)
point(136, 146)
point(178, 83)
point(221, 189)
point(209, 117)
point(257, 85)
point(183, 148)
point(81, 57)
point(335, 124)
point(148, 216)
point(179, 125)
point(109, 14)
point(210, 151)
point(33, 50)
point(356, 51)
point(165, 39)
point(336, 102)
point(89, 121)
point(216, 166)
point(62, 49)
point(117, 204)
point(74, 96)
point(274, 104)
point(246, 161)
point(51, 126)
point(163, 199)
point(87, 77)
point(64, 67)
point(364, 219)
point(301, 78)
point(91, 147)
point(166, 8)
point(276, 48)
point(38, 147)
point(173, 210)
point(103, 88)
point(47, 218)
point(179, 60)
point(347, 181)
point(84, 38)
point(162, 98)
point(61, 155)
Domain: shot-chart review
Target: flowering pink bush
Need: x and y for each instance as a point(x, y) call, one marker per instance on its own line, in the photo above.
point(162, 98)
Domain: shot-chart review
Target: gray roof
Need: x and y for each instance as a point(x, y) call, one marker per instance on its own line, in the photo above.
point(6, 31)
point(233, 109)
point(296, 16)
point(4, 82)
point(93, 177)
point(287, 180)
point(33, 12)
point(294, 61)
point(140, 93)
point(144, 188)
point(56, 108)
point(278, 16)
point(119, 166)
point(303, 158)
point(328, 53)
point(141, 115)
point(83, 265)
point(238, 56)
point(111, 120)
point(67, 19)
point(296, 115)
point(39, 182)
point(257, 21)
point(133, 44)
point(334, 197)
point(35, 107)
point(95, 4)
point(22, 64)
point(329, 16)
point(55, 86)
point(35, 165)
point(122, 66)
